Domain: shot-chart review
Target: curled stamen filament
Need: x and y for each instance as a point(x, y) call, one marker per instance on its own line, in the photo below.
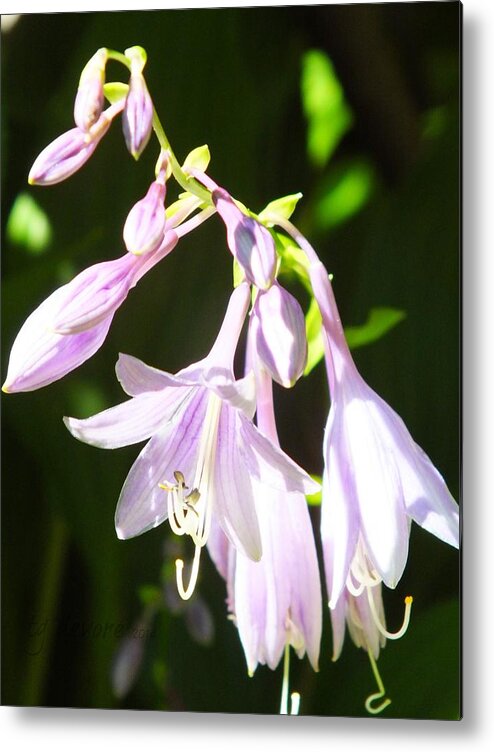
point(185, 593)
point(382, 630)
point(374, 710)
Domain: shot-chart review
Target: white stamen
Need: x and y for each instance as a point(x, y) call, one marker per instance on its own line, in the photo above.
point(191, 514)
point(377, 622)
point(295, 696)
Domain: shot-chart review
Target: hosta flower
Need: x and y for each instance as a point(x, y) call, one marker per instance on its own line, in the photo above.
point(250, 242)
point(67, 153)
point(90, 97)
point(137, 117)
point(72, 323)
point(376, 478)
point(280, 339)
point(144, 227)
point(204, 453)
point(277, 601)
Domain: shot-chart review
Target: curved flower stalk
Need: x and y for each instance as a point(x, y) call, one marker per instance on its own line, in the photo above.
point(70, 151)
point(277, 602)
point(204, 452)
point(376, 478)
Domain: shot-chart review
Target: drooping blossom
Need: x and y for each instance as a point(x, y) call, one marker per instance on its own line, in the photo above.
point(137, 117)
point(72, 323)
point(277, 601)
point(251, 243)
point(204, 452)
point(280, 338)
point(70, 151)
point(90, 97)
point(376, 478)
point(144, 227)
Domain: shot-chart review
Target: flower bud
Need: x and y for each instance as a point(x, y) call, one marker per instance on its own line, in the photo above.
point(280, 338)
point(144, 227)
point(90, 97)
point(67, 153)
point(137, 117)
point(251, 244)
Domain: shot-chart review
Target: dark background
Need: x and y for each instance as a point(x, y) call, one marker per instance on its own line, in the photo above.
point(230, 78)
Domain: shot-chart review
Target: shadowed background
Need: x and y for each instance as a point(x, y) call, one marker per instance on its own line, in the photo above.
point(357, 107)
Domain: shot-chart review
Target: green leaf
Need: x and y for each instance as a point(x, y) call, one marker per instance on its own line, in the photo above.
point(280, 207)
point(28, 226)
point(328, 115)
point(315, 347)
point(379, 322)
point(345, 191)
point(293, 261)
point(115, 91)
point(197, 159)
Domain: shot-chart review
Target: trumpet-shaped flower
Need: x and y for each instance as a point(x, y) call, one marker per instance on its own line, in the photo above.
point(204, 453)
point(72, 323)
point(376, 478)
point(280, 338)
point(277, 601)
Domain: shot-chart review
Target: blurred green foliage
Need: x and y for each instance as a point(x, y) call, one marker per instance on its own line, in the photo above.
point(272, 101)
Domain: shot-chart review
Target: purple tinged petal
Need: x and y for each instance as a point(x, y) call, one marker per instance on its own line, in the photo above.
point(378, 491)
point(40, 356)
point(136, 377)
point(250, 243)
point(66, 154)
point(143, 504)
point(270, 464)
point(93, 295)
point(240, 393)
point(281, 342)
point(137, 117)
point(131, 421)
point(234, 500)
point(338, 622)
point(144, 227)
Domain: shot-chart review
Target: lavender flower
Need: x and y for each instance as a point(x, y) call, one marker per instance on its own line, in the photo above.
point(250, 242)
point(137, 118)
point(67, 153)
point(277, 602)
point(376, 478)
point(90, 97)
point(72, 323)
point(204, 452)
point(280, 334)
point(144, 227)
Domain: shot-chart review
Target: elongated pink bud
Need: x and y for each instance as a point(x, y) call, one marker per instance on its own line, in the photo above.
point(67, 153)
point(90, 97)
point(137, 118)
point(144, 227)
point(280, 338)
point(250, 242)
